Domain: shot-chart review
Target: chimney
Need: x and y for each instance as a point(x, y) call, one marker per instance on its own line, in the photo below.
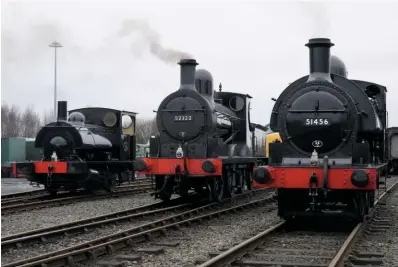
point(319, 59)
point(188, 70)
point(62, 111)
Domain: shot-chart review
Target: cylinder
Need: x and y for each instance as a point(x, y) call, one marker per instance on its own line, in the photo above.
point(62, 111)
point(188, 70)
point(320, 58)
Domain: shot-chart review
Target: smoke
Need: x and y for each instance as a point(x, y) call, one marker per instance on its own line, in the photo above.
point(151, 40)
point(7, 45)
point(31, 46)
point(319, 18)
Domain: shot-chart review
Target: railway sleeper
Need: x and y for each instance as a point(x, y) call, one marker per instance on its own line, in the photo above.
point(274, 263)
point(112, 263)
point(129, 257)
point(359, 259)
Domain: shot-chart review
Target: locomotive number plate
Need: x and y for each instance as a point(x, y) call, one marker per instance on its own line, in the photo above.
point(317, 122)
point(183, 118)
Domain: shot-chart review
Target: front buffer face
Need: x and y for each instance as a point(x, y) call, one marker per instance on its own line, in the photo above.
point(308, 191)
point(306, 177)
point(55, 173)
point(192, 167)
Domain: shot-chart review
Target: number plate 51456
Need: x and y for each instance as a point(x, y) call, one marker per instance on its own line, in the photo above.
point(320, 122)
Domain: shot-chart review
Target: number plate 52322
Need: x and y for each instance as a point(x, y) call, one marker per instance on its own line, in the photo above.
point(183, 118)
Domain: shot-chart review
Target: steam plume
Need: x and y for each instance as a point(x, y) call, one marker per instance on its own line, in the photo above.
point(153, 39)
point(319, 16)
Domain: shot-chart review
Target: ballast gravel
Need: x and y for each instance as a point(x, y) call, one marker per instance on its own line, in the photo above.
point(383, 242)
point(196, 241)
point(46, 217)
point(59, 243)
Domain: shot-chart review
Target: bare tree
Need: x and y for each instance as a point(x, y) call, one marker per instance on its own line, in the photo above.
point(144, 129)
point(4, 119)
point(29, 123)
point(10, 121)
point(47, 117)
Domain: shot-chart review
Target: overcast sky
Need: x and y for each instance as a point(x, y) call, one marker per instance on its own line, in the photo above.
point(251, 47)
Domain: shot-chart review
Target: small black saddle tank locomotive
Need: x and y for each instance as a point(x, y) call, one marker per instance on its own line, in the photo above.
point(93, 148)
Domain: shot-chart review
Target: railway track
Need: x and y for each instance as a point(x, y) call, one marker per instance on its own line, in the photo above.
point(81, 226)
point(45, 201)
point(307, 244)
point(373, 246)
point(44, 195)
point(109, 244)
point(9, 198)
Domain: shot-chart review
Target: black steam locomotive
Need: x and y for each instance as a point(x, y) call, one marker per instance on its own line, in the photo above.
point(205, 141)
point(333, 148)
point(93, 148)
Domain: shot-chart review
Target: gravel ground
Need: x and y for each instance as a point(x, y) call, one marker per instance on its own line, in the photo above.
point(60, 243)
point(384, 242)
point(391, 242)
point(311, 247)
point(390, 181)
point(209, 236)
point(29, 220)
point(218, 234)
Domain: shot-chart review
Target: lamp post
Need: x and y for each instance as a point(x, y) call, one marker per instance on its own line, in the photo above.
point(55, 45)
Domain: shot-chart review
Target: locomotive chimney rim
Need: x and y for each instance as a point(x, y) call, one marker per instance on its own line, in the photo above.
point(62, 111)
point(320, 42)
point(188, 70)
point(320, 58)
point(188, 61)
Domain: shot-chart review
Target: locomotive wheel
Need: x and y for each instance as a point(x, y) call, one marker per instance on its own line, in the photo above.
point(200, 190)
point(242, 182)
point(164, 196)
point(361, 206)
point(248, 180)
point(52, 190)
point(371, 199)
point(217, 189)
point(111, 183)
point(282, 205)
point(73, 189)
point(166, 193)
point(230, 190)
point(367, 201)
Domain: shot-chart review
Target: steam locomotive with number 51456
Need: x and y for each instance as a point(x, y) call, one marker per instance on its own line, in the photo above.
point(334, 144)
